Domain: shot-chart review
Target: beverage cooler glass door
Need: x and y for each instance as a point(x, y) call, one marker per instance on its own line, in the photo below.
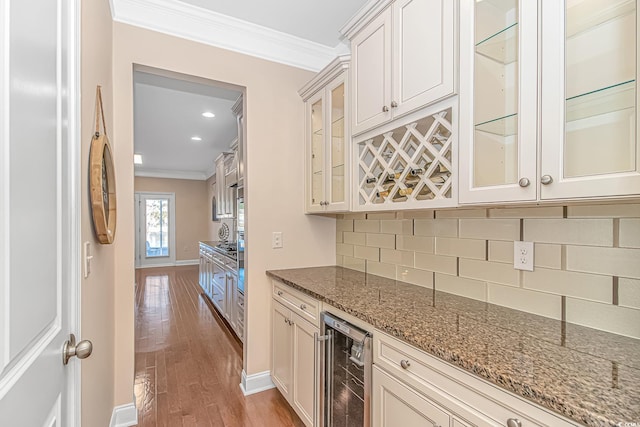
point(347, 373)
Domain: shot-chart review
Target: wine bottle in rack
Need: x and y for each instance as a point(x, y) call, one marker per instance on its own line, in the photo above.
point(382, 194)
point(405, 191)
point(417, 171)
point(371, 180)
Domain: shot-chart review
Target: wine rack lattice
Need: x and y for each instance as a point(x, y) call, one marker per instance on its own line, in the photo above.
point(409, 163)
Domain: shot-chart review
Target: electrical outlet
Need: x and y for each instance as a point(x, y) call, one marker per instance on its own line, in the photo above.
point(276, 239)
point(523, 256)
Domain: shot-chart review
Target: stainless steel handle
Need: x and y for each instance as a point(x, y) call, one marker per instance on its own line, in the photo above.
point(514, 422)
point(385, 109)
point(524, 182)
point(394, 104)
point(546, 179)
point(279, 293)
point(81, 350)
point(405, 364)
point(303, 306)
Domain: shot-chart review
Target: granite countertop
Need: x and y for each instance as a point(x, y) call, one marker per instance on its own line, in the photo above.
point(587, 375)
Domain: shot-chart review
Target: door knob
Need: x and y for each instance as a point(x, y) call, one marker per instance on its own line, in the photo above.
point(385, 109)
point(394, 104)
point(82, 349)
point(405, 364)
point(524, 182)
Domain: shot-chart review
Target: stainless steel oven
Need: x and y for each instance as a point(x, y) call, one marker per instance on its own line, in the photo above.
point(345, 374)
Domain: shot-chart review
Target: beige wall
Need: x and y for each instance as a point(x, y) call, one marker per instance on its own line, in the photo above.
point(587, 258)
point(193, 211)
point(274, 178)
point(98, 289)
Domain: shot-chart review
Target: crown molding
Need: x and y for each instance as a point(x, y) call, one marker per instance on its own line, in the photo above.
point(366, 13)
point(205, 26)
point(328, 73)
point(170, 174)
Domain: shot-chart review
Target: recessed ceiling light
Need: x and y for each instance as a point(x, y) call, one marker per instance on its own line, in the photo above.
point(208, 114)
point(137, 159)
point(196, 138)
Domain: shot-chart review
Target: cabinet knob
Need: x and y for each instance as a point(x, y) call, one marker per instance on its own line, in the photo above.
point(279, 293)
point(385, 109)
point(394, 104)
point(514, 422)
point(546, 179)
point(524, 182)
point(303, 306)
point(405, 364)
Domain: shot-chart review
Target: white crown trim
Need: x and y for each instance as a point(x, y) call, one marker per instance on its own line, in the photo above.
point(157, 173)
point(212, 28)
point(366, 13)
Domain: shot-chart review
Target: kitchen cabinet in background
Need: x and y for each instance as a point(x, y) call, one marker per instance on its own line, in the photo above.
point(583, 79)
point(225, 195)
point(402, 59)
point(219, 282)
point(327, 139)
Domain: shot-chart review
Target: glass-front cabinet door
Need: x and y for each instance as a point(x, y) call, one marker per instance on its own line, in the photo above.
point(336, 199)
point(498, 89)
point(316, 117)
point(589, 99)
point(327, 127)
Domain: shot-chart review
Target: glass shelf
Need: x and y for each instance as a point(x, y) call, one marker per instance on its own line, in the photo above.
point(586, 15)
point(501, 47)
point(504, 126)
point(617, 97)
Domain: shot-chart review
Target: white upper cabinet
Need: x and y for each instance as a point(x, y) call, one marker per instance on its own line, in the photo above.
point(402, 59)
point(550, 122)
point(498, 108)
point(589, 99)
point(327, 139)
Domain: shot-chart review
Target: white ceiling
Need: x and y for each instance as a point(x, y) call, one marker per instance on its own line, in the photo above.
point(167, 113)
point(315, 20)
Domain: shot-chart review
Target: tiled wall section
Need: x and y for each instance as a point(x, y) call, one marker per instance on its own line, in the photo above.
point(587, 258)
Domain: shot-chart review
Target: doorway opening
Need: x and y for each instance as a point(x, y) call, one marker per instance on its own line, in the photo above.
point(189, 184)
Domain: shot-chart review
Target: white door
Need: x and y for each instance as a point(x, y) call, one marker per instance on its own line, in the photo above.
point(39, 212)
point(155, 223)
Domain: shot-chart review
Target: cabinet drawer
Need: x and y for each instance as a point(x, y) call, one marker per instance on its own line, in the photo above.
point(474, 400)
point(301, 304)
point(395, 404)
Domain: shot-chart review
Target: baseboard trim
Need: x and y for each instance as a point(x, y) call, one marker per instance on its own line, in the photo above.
point(172, 264)
point(188, 262)
point(256, 383)
point(124, 415)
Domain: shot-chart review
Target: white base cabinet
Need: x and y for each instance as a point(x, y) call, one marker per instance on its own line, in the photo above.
point(395, 404)
point(294, 367)
point(411, 388)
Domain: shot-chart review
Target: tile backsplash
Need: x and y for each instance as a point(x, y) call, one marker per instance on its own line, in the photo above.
point(586, 258)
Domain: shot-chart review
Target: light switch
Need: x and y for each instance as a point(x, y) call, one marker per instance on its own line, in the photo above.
point(87, 257)
point(276, 240)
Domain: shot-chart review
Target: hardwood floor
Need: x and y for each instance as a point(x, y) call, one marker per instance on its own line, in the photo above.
point(188, 368)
